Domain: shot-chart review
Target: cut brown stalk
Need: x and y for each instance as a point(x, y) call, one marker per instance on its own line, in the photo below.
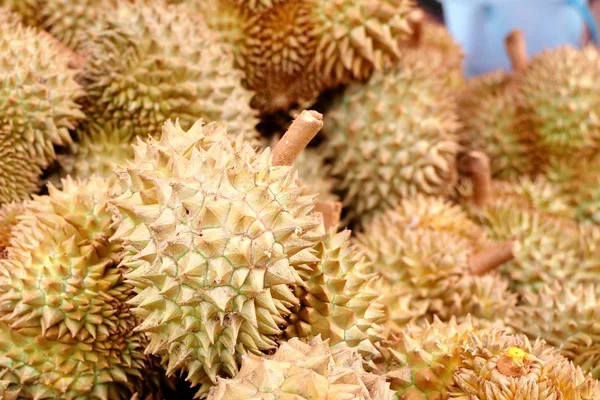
point(299, 134)
point(517, 50)
point(416, 20)
point(76, 61)
point(491, 258)
point(478, 165)
point(331, 211)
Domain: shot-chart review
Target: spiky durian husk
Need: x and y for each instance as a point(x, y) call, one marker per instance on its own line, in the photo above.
point(339, 300)
point(8, 219)
point(392, 138)
point(213, 234)
point(420, 362)
point(37, 107)
point(566, 318)
point(26, 11)
point(498, 365)
point(558, 97)
point(100, 151)
point(304, 371)
point(314, 174)
point(488, 111)
point(550, 246)
point(66, 330)
point(152, 62)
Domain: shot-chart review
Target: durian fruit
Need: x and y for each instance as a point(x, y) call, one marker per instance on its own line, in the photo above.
point(100, 151)
point(393, 137)
point(8, 219)
point(497, 365)
point(339, 300)
point(38, 107)
point(25, 10)
point(566, 318)
point(558, 98)
point(303, 371)
point(213, 233)
point(291, 50)
point(420, 362)
point(66, 330)
point(427, 251)
point(314, 174)
point(152, 62)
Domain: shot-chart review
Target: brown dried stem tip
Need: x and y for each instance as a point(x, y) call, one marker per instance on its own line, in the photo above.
point(478, 165)
point(517, 50)
point(332, 212)
point(76, 61)
point(416, 20)
point(492, 257)
point(299, 134)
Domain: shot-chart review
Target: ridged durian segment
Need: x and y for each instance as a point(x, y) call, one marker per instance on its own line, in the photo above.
point(153, 62)
point(485, 298)
point(339, 300)
point(420, 362)
point(498, 365)
point(566, 318)
point(101, 149)
point(8, 219)
point(488, 110)
point(38, 94)
point(213, 234)
point(66, 330)
point(550, 246)
point(26, 11)
point(392, 138)
point(559, 98)
point(315, 175)
point(304, 371)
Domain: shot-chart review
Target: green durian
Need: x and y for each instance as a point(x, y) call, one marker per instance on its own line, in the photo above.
point(66, 330)
point(566, 318)
point(38, 107)
point(304, 371)
point(213, 234)
point(339, 299)
point(152, 62)
point(392, 138)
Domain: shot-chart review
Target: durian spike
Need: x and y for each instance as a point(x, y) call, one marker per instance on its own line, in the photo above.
point(491, 258)
point(517, 50)
point(299, 134)
point(416, 20)
point(331, 211)
point(76, 60)
point(478, 165)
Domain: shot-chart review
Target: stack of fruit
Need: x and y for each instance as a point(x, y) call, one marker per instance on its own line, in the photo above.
point(291, 199)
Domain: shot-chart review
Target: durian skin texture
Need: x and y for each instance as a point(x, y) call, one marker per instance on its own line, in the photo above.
point(27, 10)
point(558, 96)
point(38, 95)
point(566, 318)
point(213, 233)
point(65, 328)
point(8, 219)
point(392, 138)
point(151, 62)
point(304, 371)
point(339, 301)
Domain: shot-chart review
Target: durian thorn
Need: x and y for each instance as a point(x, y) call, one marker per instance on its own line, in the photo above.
point(299, 134)
point(416, 20)
point(491, 258)
point(517, 50)
point(76, 61)
point(331, 211)
point(478, 165)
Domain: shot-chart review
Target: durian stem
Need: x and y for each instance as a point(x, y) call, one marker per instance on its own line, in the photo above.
point(76, 61)
point(481, 177)
point(299, 134)
point(416, 20)
point(491, 258)
point(331, 211)
point(517, 50)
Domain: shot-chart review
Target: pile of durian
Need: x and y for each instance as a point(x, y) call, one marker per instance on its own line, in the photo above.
point(291, 200)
